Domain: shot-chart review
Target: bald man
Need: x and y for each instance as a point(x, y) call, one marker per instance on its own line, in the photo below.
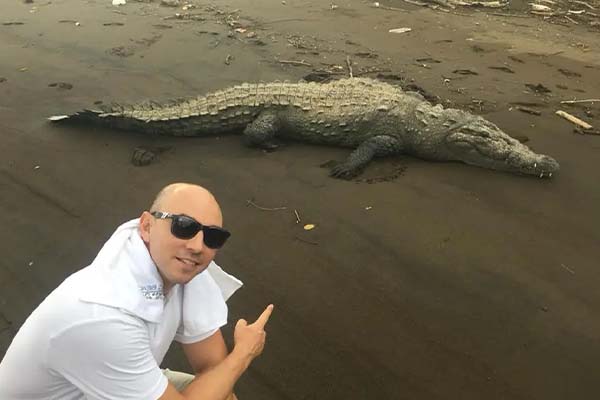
point(103, 333)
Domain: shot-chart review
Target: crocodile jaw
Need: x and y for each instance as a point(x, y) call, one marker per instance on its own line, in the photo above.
point(483, 144)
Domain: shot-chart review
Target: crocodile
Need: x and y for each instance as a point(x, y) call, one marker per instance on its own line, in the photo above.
point(371, 117)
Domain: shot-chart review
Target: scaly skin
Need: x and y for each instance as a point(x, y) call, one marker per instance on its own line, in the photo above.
point(372, 117)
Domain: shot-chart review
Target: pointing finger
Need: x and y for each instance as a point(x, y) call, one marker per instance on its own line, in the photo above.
point(264, 317)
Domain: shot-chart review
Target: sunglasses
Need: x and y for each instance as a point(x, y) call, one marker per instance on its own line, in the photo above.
point(184, 227)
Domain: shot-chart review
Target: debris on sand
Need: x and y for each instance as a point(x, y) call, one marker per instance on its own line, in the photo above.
point(569, 73)
point(319, 76)
point(187, 17)
point(528, 110)
point(503, 69)
point(119, 2)
point(251, 202)
point(294, 62)
point(349, 65)
point(121, 51)
point(540, 7)
point(565, 101)
point(61, 85)
point(586, 131)
point(538, 88)
point(456, 3)
point(464, 72)
point(400, 30)
point(573, 119)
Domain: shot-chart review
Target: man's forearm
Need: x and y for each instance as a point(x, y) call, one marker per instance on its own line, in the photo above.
point(217, 383)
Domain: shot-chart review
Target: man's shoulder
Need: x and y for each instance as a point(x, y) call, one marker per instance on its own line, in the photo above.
point(65, 308)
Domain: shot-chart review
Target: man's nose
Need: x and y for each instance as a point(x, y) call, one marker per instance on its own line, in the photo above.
point(196, 244)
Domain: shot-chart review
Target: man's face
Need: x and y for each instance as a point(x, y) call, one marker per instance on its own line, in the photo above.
point(180, 260)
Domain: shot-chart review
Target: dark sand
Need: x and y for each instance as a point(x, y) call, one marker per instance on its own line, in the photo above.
point(448, 282)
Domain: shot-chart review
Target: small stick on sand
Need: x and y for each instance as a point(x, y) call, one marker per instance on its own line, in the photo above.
point(571, 19)
point(292, 62)
point(349, 66)
point(250, 202)
point(528, 110)
point(574, 119)
point(587, 131)
point(580, 101)
point(583, 3)
point(568, 269)
point(297, 217)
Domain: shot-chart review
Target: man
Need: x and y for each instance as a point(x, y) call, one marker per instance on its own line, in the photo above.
point(104, 331)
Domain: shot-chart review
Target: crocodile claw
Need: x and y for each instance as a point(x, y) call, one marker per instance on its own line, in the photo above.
point(343, 171)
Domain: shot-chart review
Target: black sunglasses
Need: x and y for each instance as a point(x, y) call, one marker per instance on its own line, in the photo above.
point(184, 227)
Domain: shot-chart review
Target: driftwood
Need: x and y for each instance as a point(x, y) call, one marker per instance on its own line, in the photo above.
point(293, 62)
point(580, 101)
point(528, 110)
point(573, 119)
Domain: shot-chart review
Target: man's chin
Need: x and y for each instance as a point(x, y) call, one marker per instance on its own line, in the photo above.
point(189, 274)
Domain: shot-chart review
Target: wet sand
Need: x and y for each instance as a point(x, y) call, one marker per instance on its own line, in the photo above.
point(446, 282)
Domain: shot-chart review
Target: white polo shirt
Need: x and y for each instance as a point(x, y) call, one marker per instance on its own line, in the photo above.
point(104, 331)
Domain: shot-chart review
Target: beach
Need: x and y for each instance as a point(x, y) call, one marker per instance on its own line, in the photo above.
point(419, 280)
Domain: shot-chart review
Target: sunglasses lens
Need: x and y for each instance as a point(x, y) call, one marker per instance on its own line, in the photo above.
point(215, 237)
point(184, 227)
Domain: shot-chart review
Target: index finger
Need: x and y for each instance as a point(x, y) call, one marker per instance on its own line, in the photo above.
point(264, 317)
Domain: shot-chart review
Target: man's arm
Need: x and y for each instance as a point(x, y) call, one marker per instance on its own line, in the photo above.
point(217, 382)
point(206, 354)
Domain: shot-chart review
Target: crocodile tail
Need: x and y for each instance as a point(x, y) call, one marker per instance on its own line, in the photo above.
point(99, 117)
point(81, 116)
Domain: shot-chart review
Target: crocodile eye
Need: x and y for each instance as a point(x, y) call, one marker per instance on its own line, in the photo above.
point(462, 145)
point(472, 131)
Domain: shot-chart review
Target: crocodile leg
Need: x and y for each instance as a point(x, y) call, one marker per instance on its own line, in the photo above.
point(262, 131)
point(377, 146)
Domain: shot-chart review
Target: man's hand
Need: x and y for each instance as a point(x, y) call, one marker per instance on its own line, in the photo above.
point(250, 338)
point(217, 383)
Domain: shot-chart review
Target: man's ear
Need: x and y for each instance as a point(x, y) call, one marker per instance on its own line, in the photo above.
point(146, 221)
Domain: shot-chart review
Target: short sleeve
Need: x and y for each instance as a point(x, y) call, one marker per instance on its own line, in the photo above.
point(108, 359)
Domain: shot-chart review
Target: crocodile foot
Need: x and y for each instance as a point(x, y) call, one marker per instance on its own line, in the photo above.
point(269, 146)
point(344, 171)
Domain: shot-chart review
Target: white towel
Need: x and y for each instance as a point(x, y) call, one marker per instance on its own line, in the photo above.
point(124, 263)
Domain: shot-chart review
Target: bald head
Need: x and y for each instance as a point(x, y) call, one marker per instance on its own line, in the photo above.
point(178, 257)
point(180, 197)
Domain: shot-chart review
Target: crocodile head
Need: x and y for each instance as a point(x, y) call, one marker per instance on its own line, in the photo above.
point(481, 143)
